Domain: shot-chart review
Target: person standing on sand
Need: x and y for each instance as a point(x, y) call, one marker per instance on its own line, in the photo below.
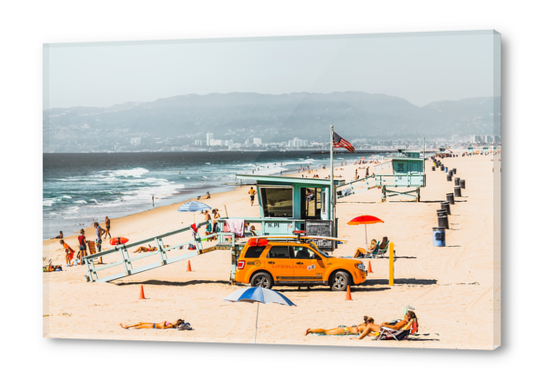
point(107, 227)
point(99, 233)
point(251, 192)
point(209, 228)
point(153, 200)
point(82, 246)
point(69, 252)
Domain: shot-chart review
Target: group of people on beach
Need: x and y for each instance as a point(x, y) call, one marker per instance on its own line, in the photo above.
point(368, 327)
point(85, 245)
point(373, 248)
point(212, 227)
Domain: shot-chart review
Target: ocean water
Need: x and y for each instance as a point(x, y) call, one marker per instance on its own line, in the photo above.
point(79, 189)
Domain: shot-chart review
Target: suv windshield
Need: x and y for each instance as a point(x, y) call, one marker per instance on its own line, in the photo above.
point(313, 245)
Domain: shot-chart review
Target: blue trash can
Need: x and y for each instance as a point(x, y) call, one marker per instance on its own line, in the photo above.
point(445, 169)
point(439, 237)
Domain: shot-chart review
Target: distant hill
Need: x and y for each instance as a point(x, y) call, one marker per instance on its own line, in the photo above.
point(274, 118)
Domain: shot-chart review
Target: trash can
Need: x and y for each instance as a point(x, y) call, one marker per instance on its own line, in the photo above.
point(445, 169)
point(449, 177)
point(442, 220)
point(451, 172)
point(446, 206)
point(450, 198)
point(441, 168)
point(439, 237)
point(455, 171)
point(433, 168)
point(456, 181)
point(457, 191)
point(462, 183)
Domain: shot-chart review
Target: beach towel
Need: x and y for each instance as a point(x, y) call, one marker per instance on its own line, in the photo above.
point(194, 229)
point(236, 226)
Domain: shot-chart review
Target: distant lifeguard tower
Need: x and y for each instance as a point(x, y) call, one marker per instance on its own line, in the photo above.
point(408, 171)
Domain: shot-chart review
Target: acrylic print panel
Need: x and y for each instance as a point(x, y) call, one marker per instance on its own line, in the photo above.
point(180, 177)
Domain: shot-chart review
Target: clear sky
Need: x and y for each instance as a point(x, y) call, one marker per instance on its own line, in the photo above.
point(419, 67)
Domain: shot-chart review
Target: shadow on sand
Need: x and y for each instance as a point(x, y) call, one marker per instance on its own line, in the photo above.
point(412, 281)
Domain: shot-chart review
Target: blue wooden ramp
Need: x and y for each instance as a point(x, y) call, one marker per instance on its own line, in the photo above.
point(126, 264)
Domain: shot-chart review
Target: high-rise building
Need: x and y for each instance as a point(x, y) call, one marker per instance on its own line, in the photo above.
point(209, 138)
point(257, 141)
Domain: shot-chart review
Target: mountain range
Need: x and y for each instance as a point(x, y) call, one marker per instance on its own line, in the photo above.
point(273, 118)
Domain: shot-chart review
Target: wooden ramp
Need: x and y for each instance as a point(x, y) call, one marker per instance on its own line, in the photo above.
point(124, 262)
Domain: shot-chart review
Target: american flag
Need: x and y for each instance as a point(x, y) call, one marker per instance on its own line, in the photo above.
point(341, 142)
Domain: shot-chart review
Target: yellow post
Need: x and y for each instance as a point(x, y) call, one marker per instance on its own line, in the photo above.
point(391, 264)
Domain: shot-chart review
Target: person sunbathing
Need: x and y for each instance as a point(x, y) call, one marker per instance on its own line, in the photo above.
point(143, 249)
point(395, 325)
point(150, 325)
point(342, 329)
point(360, 252)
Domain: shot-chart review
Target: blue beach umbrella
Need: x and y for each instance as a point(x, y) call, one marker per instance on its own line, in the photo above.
point(193, 206)
point(258, 295)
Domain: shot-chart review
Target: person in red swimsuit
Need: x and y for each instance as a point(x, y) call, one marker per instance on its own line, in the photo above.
point(82, 246)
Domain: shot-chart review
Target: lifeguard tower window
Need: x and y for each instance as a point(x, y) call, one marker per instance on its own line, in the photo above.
point(401, 167)
point(277, 201)
point(311, 205)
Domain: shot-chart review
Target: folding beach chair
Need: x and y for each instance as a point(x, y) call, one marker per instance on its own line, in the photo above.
point(91, 247)
point(400, 334)
point(379, 253)
point(374, 253)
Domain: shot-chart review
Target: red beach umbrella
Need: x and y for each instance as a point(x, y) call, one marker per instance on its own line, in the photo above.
point(365, 220)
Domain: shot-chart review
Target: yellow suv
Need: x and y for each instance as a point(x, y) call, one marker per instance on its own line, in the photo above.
point(265, 263)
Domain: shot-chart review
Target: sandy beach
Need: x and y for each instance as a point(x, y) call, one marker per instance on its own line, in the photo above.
point(454, 289)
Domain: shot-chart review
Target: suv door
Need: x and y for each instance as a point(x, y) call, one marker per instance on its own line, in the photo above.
point(309, 266)
point(279, 263)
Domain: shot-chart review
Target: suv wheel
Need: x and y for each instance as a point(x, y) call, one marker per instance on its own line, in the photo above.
point(263, 280)
point(340, 282)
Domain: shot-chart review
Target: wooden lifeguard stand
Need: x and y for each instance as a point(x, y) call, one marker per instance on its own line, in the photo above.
point(408, 172)
point(290, 203)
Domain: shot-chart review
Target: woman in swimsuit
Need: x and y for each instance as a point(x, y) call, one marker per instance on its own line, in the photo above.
point(360, 252)
point(375, 329)
point(150, 325)
point(143, 249)
point(343, 330)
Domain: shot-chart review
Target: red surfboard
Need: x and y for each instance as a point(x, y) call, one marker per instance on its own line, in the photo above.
point(118, 241)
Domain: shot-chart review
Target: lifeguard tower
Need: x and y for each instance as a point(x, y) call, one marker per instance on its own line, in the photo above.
point(291, 203)
point(470, 149)
point(407, 171)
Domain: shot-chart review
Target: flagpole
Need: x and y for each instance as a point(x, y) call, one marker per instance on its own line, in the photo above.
point(331, 187)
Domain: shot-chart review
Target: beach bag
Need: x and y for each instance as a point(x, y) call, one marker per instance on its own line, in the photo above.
point(184, 326)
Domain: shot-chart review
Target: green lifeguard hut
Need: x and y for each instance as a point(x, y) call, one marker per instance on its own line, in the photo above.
point(470, 149)
point(408, 171)
point(291, 203)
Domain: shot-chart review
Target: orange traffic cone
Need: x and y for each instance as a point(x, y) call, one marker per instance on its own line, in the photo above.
point(348, 296)
point(188, 268)
point(141, 294)
point(370, 271)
